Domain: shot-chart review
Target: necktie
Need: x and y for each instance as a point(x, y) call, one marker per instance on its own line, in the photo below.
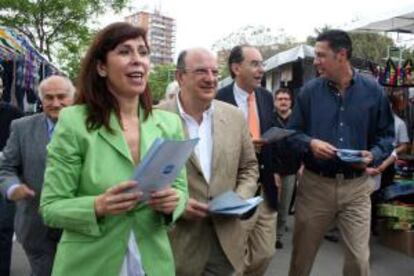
point(252, 117)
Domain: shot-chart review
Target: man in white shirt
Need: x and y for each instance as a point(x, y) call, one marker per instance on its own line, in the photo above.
point(22, 168)
point(224, 159)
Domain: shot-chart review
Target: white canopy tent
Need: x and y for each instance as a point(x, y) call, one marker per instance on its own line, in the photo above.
point(288, 56)
point(400, 20)
point(293, 65)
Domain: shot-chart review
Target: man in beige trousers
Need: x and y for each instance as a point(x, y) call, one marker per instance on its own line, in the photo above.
point(339, 110)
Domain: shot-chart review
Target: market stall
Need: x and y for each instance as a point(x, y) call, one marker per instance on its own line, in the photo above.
point(291, 68)
point(396, 207)
point(23, 67)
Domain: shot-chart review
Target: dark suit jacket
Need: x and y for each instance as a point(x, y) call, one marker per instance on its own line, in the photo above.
point(7, 114)
point(24, 161)
point(264, 102)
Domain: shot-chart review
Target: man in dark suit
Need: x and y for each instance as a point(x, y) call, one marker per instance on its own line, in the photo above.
point(246, 68)
point(7, 114)
point(22, 168)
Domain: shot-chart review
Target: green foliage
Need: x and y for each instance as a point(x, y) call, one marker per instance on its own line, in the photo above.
point(57, 28)
point(370, 46)
point(159, 78)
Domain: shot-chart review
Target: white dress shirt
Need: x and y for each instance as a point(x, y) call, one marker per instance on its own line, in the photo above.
point(240, 96)
point(132, 265)
point(203, 131)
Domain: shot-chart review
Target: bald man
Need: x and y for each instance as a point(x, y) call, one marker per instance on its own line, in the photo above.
point(22, 168)
point(224, 159)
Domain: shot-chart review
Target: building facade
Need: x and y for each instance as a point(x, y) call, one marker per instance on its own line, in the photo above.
point(161, 34)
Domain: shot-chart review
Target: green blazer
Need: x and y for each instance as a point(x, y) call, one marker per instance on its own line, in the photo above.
point(82, 165)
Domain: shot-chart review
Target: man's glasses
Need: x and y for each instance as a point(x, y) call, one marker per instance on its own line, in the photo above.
point(257, 64)
point(203, 71)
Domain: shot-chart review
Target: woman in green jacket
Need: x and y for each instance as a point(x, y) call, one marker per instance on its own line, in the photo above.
point(95, 148)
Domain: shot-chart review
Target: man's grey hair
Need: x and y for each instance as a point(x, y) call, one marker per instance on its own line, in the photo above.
point(71, 89)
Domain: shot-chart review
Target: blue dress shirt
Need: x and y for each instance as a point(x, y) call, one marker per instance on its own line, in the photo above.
point(359, 120)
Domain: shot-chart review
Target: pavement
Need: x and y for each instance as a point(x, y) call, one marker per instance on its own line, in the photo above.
point(329, 261)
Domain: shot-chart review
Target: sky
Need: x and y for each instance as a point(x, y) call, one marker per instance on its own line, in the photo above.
point(201, 23)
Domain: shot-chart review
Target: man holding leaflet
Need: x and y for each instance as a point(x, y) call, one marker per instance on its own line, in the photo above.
point(223, 160)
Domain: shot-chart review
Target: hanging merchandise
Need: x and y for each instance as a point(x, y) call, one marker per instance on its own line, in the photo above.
point(394, 75)
point(29, 67)
point(396, 72)
point(408, 73)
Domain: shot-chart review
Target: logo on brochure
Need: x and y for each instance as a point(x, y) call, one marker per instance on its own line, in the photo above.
point(168, 169)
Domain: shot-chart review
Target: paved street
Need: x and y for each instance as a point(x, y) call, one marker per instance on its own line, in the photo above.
point(384, 261)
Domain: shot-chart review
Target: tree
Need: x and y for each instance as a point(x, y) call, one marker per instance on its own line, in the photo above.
point(56, 27)
point(159, 78)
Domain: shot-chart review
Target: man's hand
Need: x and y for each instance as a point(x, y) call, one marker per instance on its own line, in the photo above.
point(372, 171)
point(117, 200)
point(367, 158)
point(322, 150)
point(165, 200)
point(21, 192)
point(195, 209)
point(258, 144)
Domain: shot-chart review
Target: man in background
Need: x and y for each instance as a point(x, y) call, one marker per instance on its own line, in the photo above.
point(7, 114)
point(287, 162)
point(22, 168)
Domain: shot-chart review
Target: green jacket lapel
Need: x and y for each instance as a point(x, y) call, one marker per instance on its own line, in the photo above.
point(116, 139)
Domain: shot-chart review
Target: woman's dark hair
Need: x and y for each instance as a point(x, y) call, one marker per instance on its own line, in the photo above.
point(92, 89)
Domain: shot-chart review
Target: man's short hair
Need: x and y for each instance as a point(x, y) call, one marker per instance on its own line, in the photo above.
point(236, 56)
point(337, 40)
point(44, 82)
point(283, 90)
point(181, 60)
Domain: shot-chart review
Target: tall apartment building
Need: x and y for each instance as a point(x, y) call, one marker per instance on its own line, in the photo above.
point(161, 34)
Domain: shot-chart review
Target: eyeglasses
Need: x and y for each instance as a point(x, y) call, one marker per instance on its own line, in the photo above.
point(257, 64)
point(203, 71)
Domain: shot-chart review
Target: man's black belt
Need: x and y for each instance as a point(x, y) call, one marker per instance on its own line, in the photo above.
point(344, 174)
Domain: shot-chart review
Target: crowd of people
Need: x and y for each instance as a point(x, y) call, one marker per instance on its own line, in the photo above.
point(68, 169)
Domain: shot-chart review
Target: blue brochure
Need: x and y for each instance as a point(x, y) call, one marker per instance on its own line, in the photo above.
point(161, 165)
point(350, 156)
point(230, 203)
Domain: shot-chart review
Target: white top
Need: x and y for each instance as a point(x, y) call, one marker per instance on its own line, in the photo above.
point(401, 135)
point(132, 265)
point(203, 131)
point(240, 96)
